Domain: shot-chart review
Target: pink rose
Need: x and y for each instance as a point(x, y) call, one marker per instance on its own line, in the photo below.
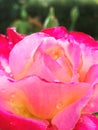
point(6, 44)
point(52, 82)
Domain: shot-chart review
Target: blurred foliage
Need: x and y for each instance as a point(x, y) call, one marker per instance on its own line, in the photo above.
point(96, 114)
point(9, 10)
point(51, 19)
point(74, 14)
point(32, 15)
point(22, 25)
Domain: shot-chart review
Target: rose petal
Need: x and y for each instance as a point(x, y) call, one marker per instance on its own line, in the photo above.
point(25, 59)
point(92, 105)
point(51, 96)
point(67, 118)
point(92, 74)
point(89, 51)
point(4, 45)
point(7, 42)
point(14, 36)
point(73, 52)
point(55, 59)
point(87, 122)
point(57, 32)
point(89, 58)
point(40, 68)
point(9, 121)
point(4, 65)
point(61, 72)
point(33, 56)
point(35, 97)
point(82, 38)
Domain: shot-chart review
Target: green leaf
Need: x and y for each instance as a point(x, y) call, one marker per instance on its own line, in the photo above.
point(23, 13)
point(22, 26)
point(96, 114)
point(74, 14)
point(51, 19)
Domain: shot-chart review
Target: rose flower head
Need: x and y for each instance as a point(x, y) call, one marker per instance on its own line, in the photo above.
point(48, 80)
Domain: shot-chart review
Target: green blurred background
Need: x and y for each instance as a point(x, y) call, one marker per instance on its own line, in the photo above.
point(33, 15)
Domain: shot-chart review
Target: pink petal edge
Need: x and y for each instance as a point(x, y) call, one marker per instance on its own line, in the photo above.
point(87, 122)
point(57, 32)
point(9, 121)
point(68, 117)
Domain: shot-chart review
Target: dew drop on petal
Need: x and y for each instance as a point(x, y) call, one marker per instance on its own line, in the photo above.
point(92, 105)
point(12, 124)
point(59, 105)
point(13, 95)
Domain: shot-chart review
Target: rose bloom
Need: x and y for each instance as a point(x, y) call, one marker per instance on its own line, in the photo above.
point(48, 80)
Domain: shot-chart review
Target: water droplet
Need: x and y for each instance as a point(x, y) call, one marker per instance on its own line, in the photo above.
point(57, 81)
point(92, 105)
point(12, 123)
point(11, 75)
point(59, 105)
point(13, 95)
